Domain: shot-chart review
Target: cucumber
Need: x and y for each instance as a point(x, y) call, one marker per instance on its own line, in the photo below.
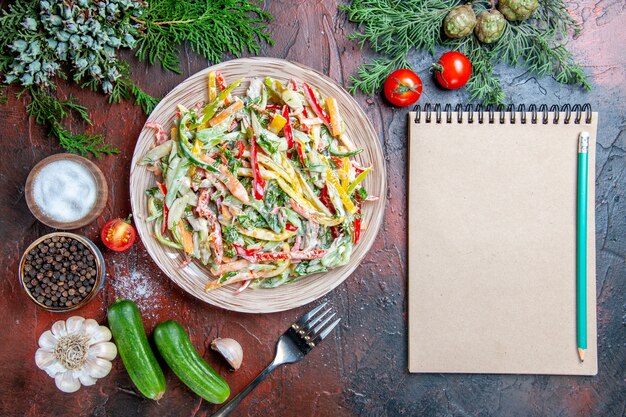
point(132, 344)
point(174, 345)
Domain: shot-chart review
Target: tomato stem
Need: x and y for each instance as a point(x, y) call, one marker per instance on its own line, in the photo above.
point(128, 219)
point(403, 88)
point(439, 68)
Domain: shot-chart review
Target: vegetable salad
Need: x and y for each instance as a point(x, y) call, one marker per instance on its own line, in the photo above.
point(262, 188)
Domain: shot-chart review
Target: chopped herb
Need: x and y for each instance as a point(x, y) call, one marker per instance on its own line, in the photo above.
point(230, 234)
point(153, 192)
point(227, 275)
point(362, 193)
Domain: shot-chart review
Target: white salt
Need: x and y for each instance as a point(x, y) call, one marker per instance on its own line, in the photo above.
point(65, 190)
point(138, 287)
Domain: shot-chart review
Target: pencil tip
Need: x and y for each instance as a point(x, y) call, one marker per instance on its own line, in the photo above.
point(581, 354)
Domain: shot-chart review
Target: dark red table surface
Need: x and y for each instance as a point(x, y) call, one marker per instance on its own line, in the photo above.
point(362, 369)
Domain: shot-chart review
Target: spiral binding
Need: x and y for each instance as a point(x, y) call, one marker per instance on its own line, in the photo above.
point(479, 111)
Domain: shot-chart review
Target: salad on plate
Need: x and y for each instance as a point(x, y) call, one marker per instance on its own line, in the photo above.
point(262, 188)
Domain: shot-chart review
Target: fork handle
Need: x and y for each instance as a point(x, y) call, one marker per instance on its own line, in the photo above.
point(225, 410)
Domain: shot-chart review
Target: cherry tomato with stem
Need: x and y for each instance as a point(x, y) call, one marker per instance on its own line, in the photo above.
point(118, 234)
point(402, 87)
point(453, 70)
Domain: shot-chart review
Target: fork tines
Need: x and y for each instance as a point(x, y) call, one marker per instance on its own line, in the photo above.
point(313, 327)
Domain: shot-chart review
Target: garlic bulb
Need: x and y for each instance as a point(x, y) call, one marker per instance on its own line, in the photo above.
point(75, 352)
point(231, 351)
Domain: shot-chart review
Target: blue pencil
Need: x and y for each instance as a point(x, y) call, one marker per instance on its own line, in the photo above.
point(581, 246)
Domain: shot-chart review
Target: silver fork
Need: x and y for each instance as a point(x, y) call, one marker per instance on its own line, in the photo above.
point(293, 345)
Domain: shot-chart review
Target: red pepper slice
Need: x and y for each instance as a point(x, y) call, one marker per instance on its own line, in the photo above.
point(315, 105)
point(325, 199)
point(335, 231)
point(357, 230)
point(338, 161)
point(291, 227)
point(300, 149)
point(240, 149)
point(221, 82)
point(357, 170)
point(258, 183)
point(166, 210)
point(287, 128)
point(233, 125)
point(241, 251)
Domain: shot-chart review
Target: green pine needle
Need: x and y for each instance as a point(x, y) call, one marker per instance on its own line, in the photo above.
point(212, 28)
point(46, 109)
point(371, 75)
point(145, 100)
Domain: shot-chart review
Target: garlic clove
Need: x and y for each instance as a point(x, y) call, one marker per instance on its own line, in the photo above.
point(97, 368)
point(47, 340)
point(44, 358)
point(85, 378)
point(54, 369)
point(74, 324)
point(103, 350)
point(89, 326)
point(58, 329)
point(66, 382)
point(230, 349)
point(101, 334)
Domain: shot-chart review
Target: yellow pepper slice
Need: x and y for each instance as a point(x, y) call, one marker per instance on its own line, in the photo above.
point(272, 166)
point(330, 221)
point(331, 178)
point(212, 85)
point(315, 135)
point(298, 198)
point(289, 169)
point(197, 147)
point(265, 234)
point(265, 174)
point(277, 123)
point(344, 173)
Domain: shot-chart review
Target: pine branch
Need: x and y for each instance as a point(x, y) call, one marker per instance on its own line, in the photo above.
point(212, 28)
point(145, 100)
point(483, 86)
point(125, 89)
point(394, 28)
point(48, 110)
point(82, 143)
point(371, 75)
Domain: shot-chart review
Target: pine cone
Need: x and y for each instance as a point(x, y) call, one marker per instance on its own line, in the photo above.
point(517, 9)
point(489, 26)
point(459, 22)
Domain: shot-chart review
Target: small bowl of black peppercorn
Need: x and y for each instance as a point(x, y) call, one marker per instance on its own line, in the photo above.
point(62, 271)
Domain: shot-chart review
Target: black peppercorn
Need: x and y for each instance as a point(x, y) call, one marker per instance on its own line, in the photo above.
point(59, 272)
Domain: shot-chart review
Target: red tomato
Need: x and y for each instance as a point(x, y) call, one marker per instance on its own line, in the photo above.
point(403, 87)
point(453, 70)
point(118, 234)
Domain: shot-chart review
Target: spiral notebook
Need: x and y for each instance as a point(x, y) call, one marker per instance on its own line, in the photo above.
point(492, 240)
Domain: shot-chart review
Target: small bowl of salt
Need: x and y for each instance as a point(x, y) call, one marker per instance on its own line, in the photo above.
point(66, 191)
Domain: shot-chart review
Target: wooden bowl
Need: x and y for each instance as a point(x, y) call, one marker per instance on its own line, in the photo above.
point(96, 209)
point(194, 276)
point(100, 270)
